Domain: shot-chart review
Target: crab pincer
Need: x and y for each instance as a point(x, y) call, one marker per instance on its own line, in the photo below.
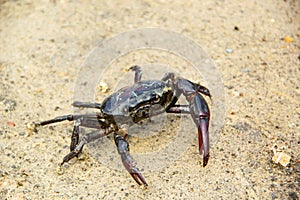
point(200, 114)
point(128, 161)
point(197, 108)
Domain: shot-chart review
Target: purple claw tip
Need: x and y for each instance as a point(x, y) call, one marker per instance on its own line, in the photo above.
point(205, 160)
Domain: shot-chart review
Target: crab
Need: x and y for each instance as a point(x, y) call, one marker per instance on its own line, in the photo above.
point(135, 103)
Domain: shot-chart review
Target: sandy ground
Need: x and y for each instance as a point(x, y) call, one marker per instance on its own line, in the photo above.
point(43, 43)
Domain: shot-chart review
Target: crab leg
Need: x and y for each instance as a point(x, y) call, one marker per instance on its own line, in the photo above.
point(179, 109)
point(85, 139)
point(86, 104)
point(127, 159)
point(70, 118)
point(138, 73)
point(59, 119)
point(88, 120)
point(85, 120)
point(75, 136)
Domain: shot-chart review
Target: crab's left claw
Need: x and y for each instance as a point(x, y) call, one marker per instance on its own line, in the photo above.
point(200, 114)
point(128, 161)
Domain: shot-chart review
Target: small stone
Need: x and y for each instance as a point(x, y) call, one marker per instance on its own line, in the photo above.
point(281, 158)
point(31, 127)
point(232, 112)
point(59, 170)
point(228, 50)
point(20, 182)
point(82, 157)
point(103, 87)
point(236, 28)
point(288, 39)
point(246, 70)
point(11, 124)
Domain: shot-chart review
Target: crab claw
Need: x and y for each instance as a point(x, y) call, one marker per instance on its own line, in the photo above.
point(128, 161)
point(129, 164)
point(200, 114)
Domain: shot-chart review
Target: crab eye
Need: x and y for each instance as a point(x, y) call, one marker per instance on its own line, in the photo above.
point(156, 99)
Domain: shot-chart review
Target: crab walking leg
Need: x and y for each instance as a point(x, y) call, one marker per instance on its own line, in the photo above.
point(200, 114)
point(67, 118)
point(85, 139)
point(127, 159)
point(138, 73)
point(86, 105)
point(179, 109)
point(75, 135)
point(59, 119)
point(86, 121)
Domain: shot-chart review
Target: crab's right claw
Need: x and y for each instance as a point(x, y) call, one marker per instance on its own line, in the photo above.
point(128, 161)
point(200, 114)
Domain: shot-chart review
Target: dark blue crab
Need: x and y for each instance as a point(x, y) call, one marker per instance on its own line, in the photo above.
point(132, 104)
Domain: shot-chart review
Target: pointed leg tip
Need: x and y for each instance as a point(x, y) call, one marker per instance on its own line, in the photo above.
point(145, 186)
point(36, 124)
point(65, 160)
point(75, 104)
point(62, 163)
point(132, 68)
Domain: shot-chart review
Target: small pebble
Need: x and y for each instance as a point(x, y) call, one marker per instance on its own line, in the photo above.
point(31, 127)
point(103, 87)
point(228, 50)
point(20, 182)
point(246, 70)
point(11, 124)
point(288, 39)
point(281, 158)
point(59, 170)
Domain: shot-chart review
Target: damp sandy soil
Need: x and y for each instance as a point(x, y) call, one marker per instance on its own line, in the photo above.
point(254, 45)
